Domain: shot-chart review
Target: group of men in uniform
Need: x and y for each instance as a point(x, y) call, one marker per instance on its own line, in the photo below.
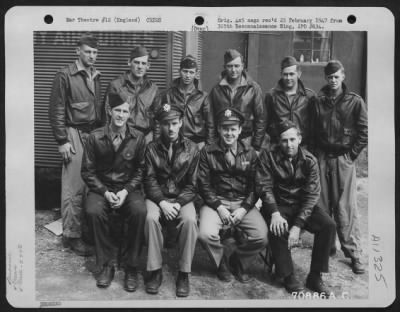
point(160, 158)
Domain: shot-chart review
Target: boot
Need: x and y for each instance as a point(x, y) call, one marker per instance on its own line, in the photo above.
point(106, 276)
point(154, 282)
point(223, 272)
point(78, 246)
point(315, 283)
point(357, 266)
point(292, 284)
point(237, 269)
point(182, 284)
point(130, 280)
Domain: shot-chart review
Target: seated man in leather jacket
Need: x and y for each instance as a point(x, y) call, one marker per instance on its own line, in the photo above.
point(170, 184)
point(226, 183)
point(112, 168)
point(287, 181)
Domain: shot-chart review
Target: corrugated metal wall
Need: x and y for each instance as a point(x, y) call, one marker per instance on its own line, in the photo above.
point(53, 50)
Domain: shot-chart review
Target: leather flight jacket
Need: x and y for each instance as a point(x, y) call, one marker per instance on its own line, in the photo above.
point(341, 125)
point(279, 108)
point(74, 102)
point(141, 98)
point(104, 169)
point(219, 180)
point(195, 107)
point(171, 180)
point(281, 184)
point(248, 100)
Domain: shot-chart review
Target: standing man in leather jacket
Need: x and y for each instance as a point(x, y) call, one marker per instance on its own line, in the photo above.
point(139, 91)
point(185, 92)
point(287, 181)
point(341, 133)
point(75, 109)
point(290, 100)
point(170, 185)
point(112, 168)
point(238, 90)
point(226, 183)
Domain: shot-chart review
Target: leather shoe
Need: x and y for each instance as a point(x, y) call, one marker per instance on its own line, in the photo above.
point(182, 284)
point(223, 272)
point(292, 284)
point(78, 246)
point(237, 269)
point(315, 283)
point(357, 266)
point(130, 280)
point(154, 282)
point(106, 276)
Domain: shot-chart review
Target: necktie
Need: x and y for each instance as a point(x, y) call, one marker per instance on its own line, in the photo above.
point(230, 157)
point(117, 141)
point(170, 151)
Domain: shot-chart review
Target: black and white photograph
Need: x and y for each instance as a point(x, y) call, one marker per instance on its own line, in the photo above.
point(230, 162)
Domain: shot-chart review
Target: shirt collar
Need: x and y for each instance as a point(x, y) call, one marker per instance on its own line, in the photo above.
point(93, 72)
point(243, 82)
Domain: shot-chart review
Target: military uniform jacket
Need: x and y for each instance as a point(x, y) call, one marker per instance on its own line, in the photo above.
point(74, 102)
point(279, 183)
point(341, 126)
point(195, 108)
point(248, 100)
point(174, 179)
point(104, 169)
point(300, 111)
point(219, 179)
point(142, 100)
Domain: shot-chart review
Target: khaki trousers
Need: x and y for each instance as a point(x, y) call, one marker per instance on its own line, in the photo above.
point(339, 200)
point(252, 225)
point(73, 189)
point(187, 236)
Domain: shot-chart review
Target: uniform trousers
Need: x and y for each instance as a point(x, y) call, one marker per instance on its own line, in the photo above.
point(187, 231)
point(339, 200)
point(253, 228)
point(73, 188)
point(134, 212)
point(318, 223)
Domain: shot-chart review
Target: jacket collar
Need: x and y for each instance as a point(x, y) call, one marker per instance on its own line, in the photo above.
point(76, 67)
point(176, 83)
point(279, 155)
point(325, 90)
point(129, 132)
point(300, 87)
point(128, 80)
point(244, 81)
point(181, 141)
point(219, 147)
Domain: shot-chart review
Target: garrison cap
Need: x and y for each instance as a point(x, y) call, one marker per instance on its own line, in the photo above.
point(138, 51)
point(332, 67)
point(88, 39)
point(288, 61)
point(114, 100)
point(286, 125)
point(188, 61)
point(230, 55)
point(230, 115)
point(169, 111)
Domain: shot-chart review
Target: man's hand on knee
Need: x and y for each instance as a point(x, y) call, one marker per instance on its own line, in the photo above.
point(170, 210)
point(111, 198)
point(279, 225)
point(224, 214)
point(237, 216)
point(121, 198)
